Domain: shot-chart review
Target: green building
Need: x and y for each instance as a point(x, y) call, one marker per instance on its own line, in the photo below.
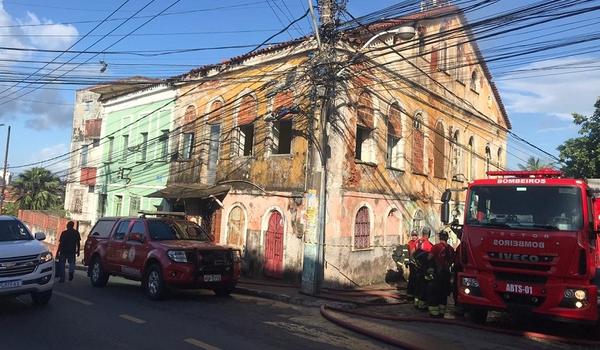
point(136, 129)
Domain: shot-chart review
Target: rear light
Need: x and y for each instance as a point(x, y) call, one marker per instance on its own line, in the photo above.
point(582, 262)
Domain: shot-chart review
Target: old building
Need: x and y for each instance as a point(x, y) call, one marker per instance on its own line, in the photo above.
point(82, 200)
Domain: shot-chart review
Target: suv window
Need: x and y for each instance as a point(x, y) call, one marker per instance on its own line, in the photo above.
point(13, 230)
point(121, 230)
point(103, 228)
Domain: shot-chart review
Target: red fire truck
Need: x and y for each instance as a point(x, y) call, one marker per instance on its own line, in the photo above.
point(529, 242)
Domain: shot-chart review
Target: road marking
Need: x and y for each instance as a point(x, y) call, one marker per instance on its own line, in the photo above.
point(72, 298)
point(132, 319)
point(200, 344)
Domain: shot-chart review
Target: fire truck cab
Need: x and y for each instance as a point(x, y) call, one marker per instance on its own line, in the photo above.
point(529, 243)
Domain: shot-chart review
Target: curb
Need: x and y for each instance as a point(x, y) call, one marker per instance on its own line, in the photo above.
point(292, 299)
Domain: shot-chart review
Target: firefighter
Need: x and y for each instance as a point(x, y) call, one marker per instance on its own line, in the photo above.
point(440, 259)
point(412, 273)
point(420, 257)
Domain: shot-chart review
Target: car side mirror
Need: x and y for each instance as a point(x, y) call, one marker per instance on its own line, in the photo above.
point(40, 236)
point(137, 237)
point(95, 234)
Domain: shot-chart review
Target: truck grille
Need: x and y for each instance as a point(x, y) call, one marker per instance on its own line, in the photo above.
point(522, 266)
point(18, 266)
point(214, 261)
point(517, 277)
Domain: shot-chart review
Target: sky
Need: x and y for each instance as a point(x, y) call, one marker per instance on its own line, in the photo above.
point(539, 102)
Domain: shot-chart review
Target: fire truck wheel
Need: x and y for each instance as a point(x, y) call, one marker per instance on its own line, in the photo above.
point(478, 316)
point(153, 283)
point(98, 277)
point(224, 291)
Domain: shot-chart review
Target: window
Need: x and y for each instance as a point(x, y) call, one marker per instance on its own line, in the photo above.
point(77, 202)
point(362, 229)
point(421, 32)
point(188, 145)
point(95, 142)
point(118, 205)
point(472, 170)
point(144, 147)
point(282, 127)
point(164, 145)
point(443, 56)
point(392, 227)
point(13, 230)
point(488, 157)
point(111, 146)
point(245, 121)
point(134, 205)
point(121, 230)
point(176, 230)
point(460, 62)
point(364, 128)
point(439, 151)
point(103, 228)
point(474, 85)
point(417, 223)
point(84, 155)
point(394, 143)
point(138, 227)
point(418, 145)
point(456, 156)
point(125, 150)
point(499, 154)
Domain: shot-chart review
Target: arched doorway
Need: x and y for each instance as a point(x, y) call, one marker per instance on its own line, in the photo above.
point(235, 227)
point(274, 246)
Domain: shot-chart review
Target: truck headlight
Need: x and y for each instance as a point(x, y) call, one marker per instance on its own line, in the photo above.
point(578, 294)
point(45, 257)
point(177, 256)
point(470, 282)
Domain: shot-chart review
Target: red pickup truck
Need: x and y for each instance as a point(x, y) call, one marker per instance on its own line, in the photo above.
point(162, 252)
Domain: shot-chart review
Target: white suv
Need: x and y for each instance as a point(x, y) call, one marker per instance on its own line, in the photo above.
point(26, 265)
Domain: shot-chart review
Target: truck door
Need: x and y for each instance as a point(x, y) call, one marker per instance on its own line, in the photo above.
point(137, 247)
point(116, 247)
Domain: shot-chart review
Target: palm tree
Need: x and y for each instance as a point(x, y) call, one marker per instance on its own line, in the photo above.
point(38, 189)
point(534, 163)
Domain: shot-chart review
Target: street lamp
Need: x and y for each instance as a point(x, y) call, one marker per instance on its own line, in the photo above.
point(4, 172)
point(405, 32)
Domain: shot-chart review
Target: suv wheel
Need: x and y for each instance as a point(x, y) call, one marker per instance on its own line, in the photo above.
point(41, 298)
point(154, 284)
point(225, 290)
point(98, 277)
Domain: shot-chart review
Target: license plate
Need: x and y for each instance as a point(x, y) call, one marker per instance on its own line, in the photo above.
point(519, 288)
point(10, 284)
point(212, 278)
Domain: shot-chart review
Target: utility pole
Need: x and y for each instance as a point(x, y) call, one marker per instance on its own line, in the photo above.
point(324, 91)
point(4, 172)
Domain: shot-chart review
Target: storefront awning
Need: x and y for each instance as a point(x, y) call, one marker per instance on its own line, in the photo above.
point(188, 191)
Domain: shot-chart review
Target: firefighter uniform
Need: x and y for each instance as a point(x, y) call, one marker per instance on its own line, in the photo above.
point(441, 258)
point(423, 247)
point(412, 273)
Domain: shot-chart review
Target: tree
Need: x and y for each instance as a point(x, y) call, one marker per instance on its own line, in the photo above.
point(581, 155)
point(38, 189)
point(534, 163)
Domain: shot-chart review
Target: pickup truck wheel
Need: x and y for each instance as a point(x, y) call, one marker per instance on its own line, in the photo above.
point(41, 298)
point(154, 284)
point(224, 291)
point(98, 277)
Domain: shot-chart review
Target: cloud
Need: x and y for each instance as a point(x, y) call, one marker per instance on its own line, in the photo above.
point(26, 33)
point(49, 152)
point(556, 96)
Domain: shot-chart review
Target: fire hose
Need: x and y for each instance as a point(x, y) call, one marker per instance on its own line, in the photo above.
point(326, 312)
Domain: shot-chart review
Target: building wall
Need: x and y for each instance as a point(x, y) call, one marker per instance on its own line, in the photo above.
point(128, 172)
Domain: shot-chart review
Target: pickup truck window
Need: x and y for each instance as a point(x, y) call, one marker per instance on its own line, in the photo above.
point(103, 228)
point(121, 230)
point(12, 230)
point(138, 227)
point(175, 230)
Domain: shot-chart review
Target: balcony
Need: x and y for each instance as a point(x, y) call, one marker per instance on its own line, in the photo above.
point(93, 128)
point(88, 176)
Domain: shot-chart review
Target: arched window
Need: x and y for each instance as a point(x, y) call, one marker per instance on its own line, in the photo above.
point(189, 133)
point(439, 151)
point(418, 144)
point(364, 146)
point(422, 33)
point(456, 156)
point(472, 171)
point(282, 126)
point(488, 157)
point(443, 56)
point(362, 229)
point(214, 139)
point(460, 62)
point(245, 122)
point(417, 222)
point(392, 226)
point(394, 143)
point(235, 227)
point(499, 159)
point(474, 84)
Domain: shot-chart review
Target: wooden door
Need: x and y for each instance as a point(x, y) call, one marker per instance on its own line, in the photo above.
point(235, 227)
point(274, 246)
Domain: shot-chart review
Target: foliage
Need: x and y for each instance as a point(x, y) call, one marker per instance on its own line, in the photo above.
point(534, 163)
point(581, 155)
point(38, 189)
point(11, 209)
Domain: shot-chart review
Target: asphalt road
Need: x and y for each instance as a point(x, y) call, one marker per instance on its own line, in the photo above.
point(120, 316)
